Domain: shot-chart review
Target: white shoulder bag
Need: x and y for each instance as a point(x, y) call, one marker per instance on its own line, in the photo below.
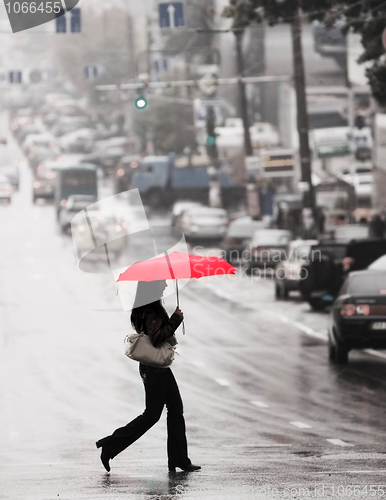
point(139, 348)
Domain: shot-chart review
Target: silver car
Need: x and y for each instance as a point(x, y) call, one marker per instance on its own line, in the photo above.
point(204, 223)
point(6, 189)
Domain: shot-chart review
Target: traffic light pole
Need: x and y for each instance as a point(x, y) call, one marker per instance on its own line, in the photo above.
point(302, 117)
point(242, 95)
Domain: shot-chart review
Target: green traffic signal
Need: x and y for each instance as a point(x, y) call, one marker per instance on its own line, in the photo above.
point(140, 103)
point(210, 140)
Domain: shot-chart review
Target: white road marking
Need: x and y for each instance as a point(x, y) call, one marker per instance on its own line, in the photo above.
point(257, 445)
point(356, 456)
point(375, 353)
point(301, 425)
point(259, 404)
point(222, 381)
point(306, 329)
point(338, 442)
point(379, 471)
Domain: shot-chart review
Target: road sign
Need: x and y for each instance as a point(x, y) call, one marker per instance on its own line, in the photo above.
point(90, 72)
point(161, 65)
point(15, 77)
point(75, 21)
point(330, 150)
point(212, 103)
point(171, 14)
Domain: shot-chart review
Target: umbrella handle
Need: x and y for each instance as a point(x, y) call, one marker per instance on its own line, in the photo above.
point(178, 305)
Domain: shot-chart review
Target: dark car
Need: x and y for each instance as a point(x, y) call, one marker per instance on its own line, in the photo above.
point(358, 315)
point(239, 236)
point(106, 157)
point(124, 171)
point(39, 155)
point(12, 173)
point(331, 262)
point(288, 272)
point(267, 248)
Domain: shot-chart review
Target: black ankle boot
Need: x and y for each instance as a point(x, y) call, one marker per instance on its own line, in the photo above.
point(186, 468)
point(105, 460)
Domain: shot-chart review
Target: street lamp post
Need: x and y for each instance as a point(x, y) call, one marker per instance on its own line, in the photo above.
point(242, 95)
point(302, 117)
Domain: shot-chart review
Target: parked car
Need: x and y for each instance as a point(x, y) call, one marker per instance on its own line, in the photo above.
point(39, 155)
point(288, 272)
point(11, 172)
point(106, 157)
point(179, 208)
point(39, 140)
point(267, 248)
point(75, 204)
point(358, 315)
point(106, 228)
point(27, 129)
point(44, 184)
point(326, 273)
point(79, 141)
point(239, 236)
point(66, 124)
point(204, 223)
point(6, 189)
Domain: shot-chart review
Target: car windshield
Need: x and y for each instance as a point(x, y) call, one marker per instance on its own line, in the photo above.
point(246, 230)
point(363, 170)
point(379, 263)
point(206, 214)
point(300, 252)
point(333, 200)
point(271, 238)
point(102, 219)
point(351, 232)
point(365, 284)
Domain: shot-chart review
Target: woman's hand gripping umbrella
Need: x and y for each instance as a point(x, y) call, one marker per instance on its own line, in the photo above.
point(176, 266)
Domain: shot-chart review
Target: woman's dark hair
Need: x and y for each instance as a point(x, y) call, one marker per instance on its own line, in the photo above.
point(147, 298)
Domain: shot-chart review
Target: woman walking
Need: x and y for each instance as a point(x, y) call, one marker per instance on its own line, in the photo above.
point(149, 316)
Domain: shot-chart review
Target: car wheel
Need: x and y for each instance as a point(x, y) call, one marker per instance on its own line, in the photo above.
point(316, 304)
point(281, 292)
point(341, 354)
point(331, 349)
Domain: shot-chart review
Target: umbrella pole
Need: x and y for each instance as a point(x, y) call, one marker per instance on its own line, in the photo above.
point(178, 305)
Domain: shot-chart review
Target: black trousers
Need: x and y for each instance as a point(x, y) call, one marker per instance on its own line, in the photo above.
point(160, 388)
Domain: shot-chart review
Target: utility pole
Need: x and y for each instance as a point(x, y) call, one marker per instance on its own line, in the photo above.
point(302, 117)
point(243, 98)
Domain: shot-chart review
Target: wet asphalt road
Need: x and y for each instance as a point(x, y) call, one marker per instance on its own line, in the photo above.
point(263, 407)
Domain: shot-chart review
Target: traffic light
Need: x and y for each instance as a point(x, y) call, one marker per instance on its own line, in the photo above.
point(140, 102)
point(211, 147)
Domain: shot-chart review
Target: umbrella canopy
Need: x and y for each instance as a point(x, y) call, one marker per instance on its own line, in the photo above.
point(176, 265)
